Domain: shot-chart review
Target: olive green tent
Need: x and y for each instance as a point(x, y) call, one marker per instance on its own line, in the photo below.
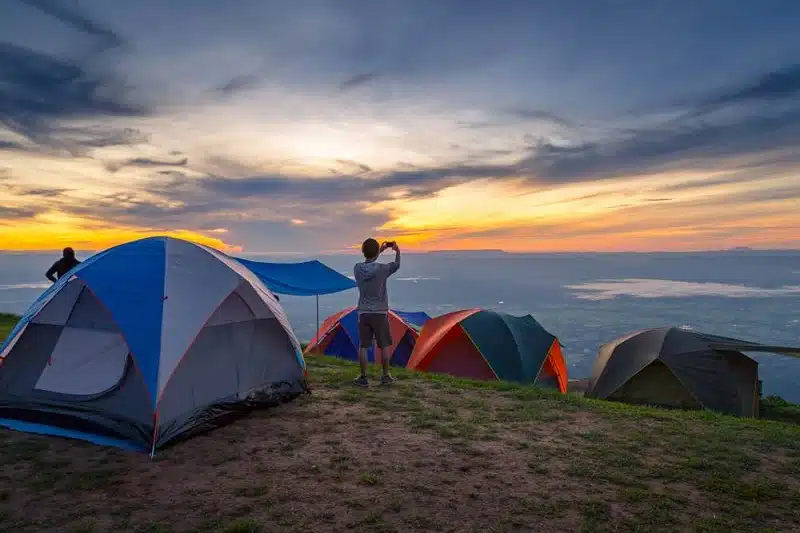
point(680, 368)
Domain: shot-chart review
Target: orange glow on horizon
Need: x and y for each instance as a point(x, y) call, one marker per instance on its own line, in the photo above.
point(514, 215)
point(53, 232)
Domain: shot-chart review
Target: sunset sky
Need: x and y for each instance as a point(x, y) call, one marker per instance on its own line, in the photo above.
point(306, 126)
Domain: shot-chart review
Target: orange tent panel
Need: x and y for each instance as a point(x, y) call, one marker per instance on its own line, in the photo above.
point(458, 356)
point(433, 333)
point(555, 367)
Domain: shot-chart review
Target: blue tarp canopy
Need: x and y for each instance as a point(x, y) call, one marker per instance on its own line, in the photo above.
point(309, 278)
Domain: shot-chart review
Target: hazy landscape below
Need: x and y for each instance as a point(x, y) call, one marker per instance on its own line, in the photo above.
point(585, 299)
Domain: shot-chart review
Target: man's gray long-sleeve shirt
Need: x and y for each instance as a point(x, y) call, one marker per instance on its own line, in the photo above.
point(371, 278)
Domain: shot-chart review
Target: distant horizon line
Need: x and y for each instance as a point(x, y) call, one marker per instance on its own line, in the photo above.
point(456, 252)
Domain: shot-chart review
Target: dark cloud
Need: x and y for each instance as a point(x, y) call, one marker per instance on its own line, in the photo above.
point(40, 94)
point(145, 162)
point(276, 186)
point(422, 182)
point(764, 195)
point(13, 146)
point(346, 192)
point(603, 194)
point(16, 213)
point(352, 187)
point(694, 141)
point(100, 136)
point(541, 116)
point(41, 192)
point(778, 85)
point(517, 116)
point(72, 16)
point(136, 208)
point(477, 125)
point(689, 145)
point(706, 183)
point(225, 166)
point(353, 165)
point(76, 140)
point(358, 80)
point(352, 226)
point(482, 154)
point(240, 83)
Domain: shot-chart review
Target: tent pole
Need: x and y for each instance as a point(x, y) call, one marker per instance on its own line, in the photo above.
point(317, 333)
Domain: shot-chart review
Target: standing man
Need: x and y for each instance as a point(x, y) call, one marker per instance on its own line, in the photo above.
point(373, 306)
point(63, 265)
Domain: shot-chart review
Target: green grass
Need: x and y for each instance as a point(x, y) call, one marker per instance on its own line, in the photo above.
point(776, 408)
point(6, 324)
point(740, 469)
point(431, 453)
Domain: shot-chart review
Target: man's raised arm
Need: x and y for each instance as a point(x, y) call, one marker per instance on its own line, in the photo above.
point(51, 271)
point(394, 266)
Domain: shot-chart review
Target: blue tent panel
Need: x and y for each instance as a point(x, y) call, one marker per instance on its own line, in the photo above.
point(41, 429)
point(349, 324)
point(415, 318)
point(310, 278)
point(136, 305)
point(402, 353)
point(341, 346)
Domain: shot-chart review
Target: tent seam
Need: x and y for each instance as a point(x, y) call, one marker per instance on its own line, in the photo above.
point(638, 371)
point(189, 346)
point(479, 351)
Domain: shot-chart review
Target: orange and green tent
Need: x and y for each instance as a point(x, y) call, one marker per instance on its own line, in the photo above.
point(490, 345)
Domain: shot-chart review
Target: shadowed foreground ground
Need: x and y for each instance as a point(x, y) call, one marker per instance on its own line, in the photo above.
point(426, 455)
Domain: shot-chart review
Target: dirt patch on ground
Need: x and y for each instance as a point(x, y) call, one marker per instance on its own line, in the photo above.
point(411, 458)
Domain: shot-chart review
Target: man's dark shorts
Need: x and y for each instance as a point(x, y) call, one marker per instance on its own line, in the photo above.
point(374, 326)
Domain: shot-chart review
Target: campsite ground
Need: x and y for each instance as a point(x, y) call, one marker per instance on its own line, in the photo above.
point(428, 454)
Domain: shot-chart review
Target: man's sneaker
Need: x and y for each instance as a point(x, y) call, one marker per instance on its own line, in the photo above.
point(361, 382)
point(388, 380)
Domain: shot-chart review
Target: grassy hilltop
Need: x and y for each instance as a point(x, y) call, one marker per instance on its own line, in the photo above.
point(6, 323)
point(432, 453)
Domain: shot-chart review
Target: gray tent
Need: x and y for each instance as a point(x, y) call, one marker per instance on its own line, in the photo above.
point(680, 368)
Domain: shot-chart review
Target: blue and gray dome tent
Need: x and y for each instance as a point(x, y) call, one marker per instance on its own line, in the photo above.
point(151, 341)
